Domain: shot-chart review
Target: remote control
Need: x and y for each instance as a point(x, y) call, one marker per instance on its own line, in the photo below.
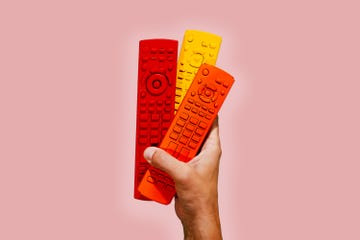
point(155, 100)
point(189, 128)
point(197, 47)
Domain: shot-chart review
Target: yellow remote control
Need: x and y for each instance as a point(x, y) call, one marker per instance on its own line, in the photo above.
point(197, 48)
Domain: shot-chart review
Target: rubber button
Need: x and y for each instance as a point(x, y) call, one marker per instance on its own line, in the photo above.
point(205, 72)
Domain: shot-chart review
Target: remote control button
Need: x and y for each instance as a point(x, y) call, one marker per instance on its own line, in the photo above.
point(144, 117)
point(177, 129)
point(143, 94)
point(172, 146)
point(142, 109)
point(143, 133)
point(161, 184)
point(145, 58)
point(208, 117)
point(190, 38)
point(154, 125)
point(204, 99)
point(143, 125)
point(169, 188)
point(161, 50)
point(170, 50)
point(196, 60)
point(205, 72)
point(211, 110)
point(184, 116)
point(201, 114)
point(194, 120)
point(154, 133)
point(184, 153)
point(174, 135)
point(167, 109)
point(166, 124)
point(225, 84)
point(183, 140)
point(212, 45)
point(161, 58)
point(151, 109)
point(218, 81)
point(190, 127)
point(187, 133)
point(199, 131)
point(190, 101)
point(153, 50)
point(150, 179)
point(202, 124)
point(207, 93)
point(166, 117)
point(194, 110)
point(154, 140)
point(155, 117)
point(160, 109)
point(142, 140)
point(204, 44)
point(187, 107)
point(181, 122)
point(156, 84)
point(196, 138)
point(144, 67)
point(192, 144)
point(146, 49)
point(211, 87)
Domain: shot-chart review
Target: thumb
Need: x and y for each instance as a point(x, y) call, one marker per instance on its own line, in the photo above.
point(162, 160)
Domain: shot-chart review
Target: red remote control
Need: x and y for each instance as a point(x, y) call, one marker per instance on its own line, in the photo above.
point(156, 98)
point(189, 128)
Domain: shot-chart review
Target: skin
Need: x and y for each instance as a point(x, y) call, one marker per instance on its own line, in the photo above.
point(196, 183)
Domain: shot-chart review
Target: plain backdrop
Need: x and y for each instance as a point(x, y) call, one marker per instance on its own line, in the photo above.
point(289, 128)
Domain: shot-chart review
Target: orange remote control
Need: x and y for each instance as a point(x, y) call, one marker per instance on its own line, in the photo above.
point(189, 128)
point(156, 94)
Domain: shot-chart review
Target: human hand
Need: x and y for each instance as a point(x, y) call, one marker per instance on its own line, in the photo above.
point(196, 183)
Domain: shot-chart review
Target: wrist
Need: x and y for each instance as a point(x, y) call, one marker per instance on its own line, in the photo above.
point(204, 225)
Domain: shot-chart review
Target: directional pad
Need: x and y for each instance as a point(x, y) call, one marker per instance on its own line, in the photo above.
point(208, 93)
point(156, 83)
point(196, 60)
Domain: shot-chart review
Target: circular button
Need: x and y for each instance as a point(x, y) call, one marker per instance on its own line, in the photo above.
point(196, 60)
point(156, 83)
point(205, 71)
point(190, 38)
point(208, 93)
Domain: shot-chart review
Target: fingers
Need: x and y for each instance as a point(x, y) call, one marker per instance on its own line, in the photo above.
point(212, 142)
point(165, 162)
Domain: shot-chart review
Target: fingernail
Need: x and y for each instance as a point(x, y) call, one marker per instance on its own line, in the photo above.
point(148, 154)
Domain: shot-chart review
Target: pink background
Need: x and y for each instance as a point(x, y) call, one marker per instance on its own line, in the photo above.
point(289, 128)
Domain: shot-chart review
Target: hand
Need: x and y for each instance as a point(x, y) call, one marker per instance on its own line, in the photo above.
point(196, 183)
